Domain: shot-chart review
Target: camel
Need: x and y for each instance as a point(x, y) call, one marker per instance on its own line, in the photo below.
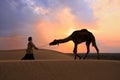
point(78, 37)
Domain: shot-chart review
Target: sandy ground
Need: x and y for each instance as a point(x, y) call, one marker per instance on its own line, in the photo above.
point(55, 66)
point(41, 54)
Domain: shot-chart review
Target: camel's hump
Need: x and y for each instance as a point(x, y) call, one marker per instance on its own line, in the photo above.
point(84, 30)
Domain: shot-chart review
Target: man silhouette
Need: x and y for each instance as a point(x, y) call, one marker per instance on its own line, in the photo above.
point(29, 52)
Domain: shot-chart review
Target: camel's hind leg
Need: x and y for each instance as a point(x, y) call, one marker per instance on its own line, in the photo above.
point(88, 49)
point(98, 56)
point(95, 46)
point(75, 52)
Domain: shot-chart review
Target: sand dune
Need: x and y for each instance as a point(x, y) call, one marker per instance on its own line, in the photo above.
point(53, 65)
point(41, 54)
point(60, 70)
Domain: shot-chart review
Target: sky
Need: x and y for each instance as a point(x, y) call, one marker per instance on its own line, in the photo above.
point(46, 20)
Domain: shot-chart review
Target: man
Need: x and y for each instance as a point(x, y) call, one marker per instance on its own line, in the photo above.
point(29, 52)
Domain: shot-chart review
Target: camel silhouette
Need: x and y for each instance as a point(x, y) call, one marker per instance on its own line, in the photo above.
point(78, 37)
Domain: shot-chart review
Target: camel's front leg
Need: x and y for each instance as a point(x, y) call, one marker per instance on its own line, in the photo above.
point(75, 52)
point(88, 49)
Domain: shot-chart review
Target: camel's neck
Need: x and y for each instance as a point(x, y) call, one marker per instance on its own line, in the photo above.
point(64, 40)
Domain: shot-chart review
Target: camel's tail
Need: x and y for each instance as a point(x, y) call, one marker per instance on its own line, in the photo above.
point(93, 40)
point(94, 43)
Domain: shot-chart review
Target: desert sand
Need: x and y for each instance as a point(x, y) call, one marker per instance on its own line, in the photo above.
point(53, 65)
point(41, 54)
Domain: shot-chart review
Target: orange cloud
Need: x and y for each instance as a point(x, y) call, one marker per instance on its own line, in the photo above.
point(61, 28)
point(105, 28)
point(64, 21)
point(107, 16)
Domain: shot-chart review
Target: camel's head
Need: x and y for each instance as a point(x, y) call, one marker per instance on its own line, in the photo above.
point(55, 42)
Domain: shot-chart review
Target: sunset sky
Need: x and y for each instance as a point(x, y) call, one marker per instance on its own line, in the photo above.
point(46, 20)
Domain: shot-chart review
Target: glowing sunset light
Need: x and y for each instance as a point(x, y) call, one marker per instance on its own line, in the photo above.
point(46, 20)
point(70, 31)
